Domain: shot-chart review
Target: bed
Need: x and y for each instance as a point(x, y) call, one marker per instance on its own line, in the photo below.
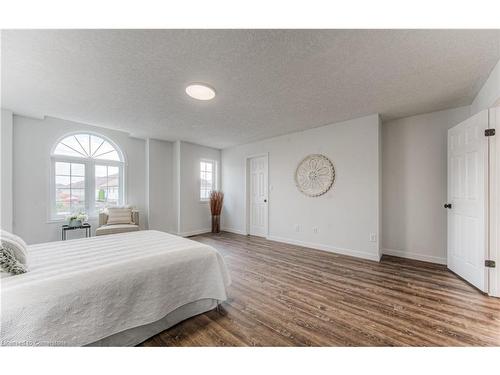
point(113, 290)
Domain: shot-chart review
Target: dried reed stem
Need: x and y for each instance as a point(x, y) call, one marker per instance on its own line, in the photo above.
point(216, 200)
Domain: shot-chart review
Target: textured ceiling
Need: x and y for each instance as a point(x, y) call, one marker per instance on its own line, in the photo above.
point(268, 82)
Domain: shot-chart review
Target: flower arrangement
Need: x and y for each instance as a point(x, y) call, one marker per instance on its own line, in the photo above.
point(78, 219)
point(216, 200)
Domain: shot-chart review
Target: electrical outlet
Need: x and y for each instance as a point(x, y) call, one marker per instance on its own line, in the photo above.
point(315, 230)
point(373, 237)
point(297, 228)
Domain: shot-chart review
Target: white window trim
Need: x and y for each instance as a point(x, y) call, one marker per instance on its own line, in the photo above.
point(215, 178)
point(90, 164)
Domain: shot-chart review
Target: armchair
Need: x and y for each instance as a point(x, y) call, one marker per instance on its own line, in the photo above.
point(105, 228)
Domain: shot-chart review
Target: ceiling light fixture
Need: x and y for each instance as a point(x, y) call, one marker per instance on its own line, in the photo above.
point(200, 91)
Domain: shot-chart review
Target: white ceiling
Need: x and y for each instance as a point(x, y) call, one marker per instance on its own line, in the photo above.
point(268, 82)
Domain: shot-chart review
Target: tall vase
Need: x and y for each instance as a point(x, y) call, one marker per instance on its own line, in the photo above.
point(215, 223)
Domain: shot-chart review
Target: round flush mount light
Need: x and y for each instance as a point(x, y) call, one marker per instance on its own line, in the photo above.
point(200, 91)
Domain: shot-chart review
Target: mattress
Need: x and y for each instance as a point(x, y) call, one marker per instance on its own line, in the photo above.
point(81, 291)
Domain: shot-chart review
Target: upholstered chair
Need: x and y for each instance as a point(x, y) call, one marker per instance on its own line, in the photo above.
point(105, 228)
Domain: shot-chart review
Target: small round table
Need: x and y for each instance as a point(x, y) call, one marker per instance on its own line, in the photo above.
point(85, 226)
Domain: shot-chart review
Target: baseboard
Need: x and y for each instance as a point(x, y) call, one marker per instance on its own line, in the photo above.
point(331, 249)
point(194, 232)
point(415, 256)
point(232, 230)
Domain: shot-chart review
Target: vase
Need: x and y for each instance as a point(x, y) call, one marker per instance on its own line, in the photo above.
point(215, 223)
point(75, 223)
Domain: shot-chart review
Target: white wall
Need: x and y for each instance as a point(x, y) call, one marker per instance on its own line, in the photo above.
point(162, 179)
point(176, 185)
point(409, 176)
point(33, 140)
point(160, 185)
point(414, 184)
point(6, 209)
point(194, 216)
point(489, 95)
point(345, 216)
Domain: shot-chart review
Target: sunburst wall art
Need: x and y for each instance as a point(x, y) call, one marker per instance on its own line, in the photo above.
point(315, 175)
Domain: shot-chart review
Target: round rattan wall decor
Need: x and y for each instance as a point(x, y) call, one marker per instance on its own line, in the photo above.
point(315, 175)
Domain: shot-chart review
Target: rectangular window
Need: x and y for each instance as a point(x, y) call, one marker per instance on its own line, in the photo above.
point(107, 186)
point(69, 188)
point(207, 179)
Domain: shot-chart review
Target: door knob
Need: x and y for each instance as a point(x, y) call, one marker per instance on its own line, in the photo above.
point(265, 200)
point(447, 205)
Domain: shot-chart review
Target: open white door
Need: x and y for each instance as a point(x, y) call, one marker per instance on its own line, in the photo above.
point(258, 195)
point(468, 200)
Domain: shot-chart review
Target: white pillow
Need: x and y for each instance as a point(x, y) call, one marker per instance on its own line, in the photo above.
point(119, 215)
point(16, 245)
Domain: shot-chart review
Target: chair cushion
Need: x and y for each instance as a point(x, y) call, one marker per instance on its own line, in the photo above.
point(116, 228)
point(119, 215)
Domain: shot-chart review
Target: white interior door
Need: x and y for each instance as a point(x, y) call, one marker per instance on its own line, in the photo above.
point(258, 196)
point(468, 196)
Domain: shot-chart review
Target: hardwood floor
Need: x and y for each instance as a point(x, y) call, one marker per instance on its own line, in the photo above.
point(285, 295)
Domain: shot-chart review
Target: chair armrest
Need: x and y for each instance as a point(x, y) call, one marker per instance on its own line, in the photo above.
point(103, 218)
point(135, 217)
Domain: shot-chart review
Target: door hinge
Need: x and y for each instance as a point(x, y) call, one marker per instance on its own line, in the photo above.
point(490, 263)
point(489, 132)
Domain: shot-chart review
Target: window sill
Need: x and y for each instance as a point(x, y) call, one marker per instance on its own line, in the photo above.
point(55, 221)
point(62, 220)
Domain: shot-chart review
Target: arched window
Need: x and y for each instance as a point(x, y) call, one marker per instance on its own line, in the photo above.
point(87, 175)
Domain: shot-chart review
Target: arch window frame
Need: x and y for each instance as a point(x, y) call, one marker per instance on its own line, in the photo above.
point(90, 162)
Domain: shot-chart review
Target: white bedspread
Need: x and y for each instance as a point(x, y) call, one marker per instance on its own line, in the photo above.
point(80, 291)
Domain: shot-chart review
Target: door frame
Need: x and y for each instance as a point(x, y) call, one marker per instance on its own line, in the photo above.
point(494, 200)
point(247, 192)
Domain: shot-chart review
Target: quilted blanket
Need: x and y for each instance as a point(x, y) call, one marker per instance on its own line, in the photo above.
point(79, 291)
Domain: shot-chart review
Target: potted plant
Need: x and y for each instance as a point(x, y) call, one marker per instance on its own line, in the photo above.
point(216, 200)
point(76, 220)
